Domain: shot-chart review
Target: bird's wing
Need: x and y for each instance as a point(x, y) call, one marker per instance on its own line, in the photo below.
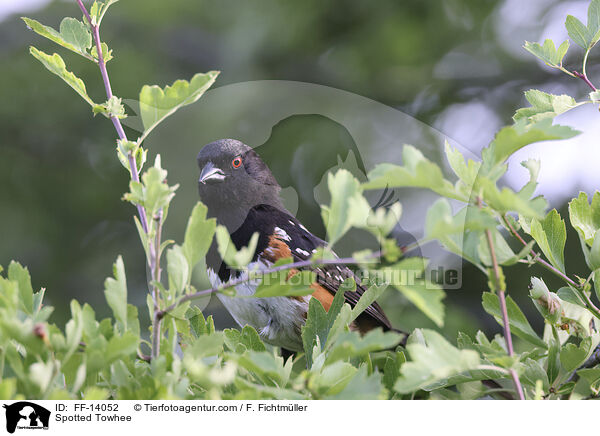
point(282, 235)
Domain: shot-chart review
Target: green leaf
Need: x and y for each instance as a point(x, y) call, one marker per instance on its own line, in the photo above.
point(121, 346)
point(285, 284)
point(548, 53)
point(578, 32)
point(98, 9)
point(106, 53)
point(75, 33)
point(153, 193)
point(427, 296)
point(115, 291)
point(319, 323)
point(432, 360)
point(198, 235)
point(57, 66)
point(544, 105)
point(517, 320)
point(440, 222)
point(504, 254)
point(367, 298)
point(20, 274)
point(466, 172)
point(351, 344)
point(178, 269)
point(333, 378)
point(240, 341)
point(585, 218)
point(570, 296)
point(348, 207)
point(156, 103)
point(363, 386)
point(73, 36)
point(417, 171)
point(228, 252)
point(573, 356)
point(512, 138)
point(551, 236)
point(530, 371)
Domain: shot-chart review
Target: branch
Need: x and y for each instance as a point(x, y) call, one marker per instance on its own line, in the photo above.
point(115, 120)
point(585, 79)
point(300, 264)
point(502, 301)
point(583, 75)
point(155, 272)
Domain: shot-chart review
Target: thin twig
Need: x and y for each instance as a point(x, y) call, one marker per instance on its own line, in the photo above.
point(502, 300)
point(287, 266)
point(585, 79)
point(115, 120)
point(155, 271)
point(579, 287)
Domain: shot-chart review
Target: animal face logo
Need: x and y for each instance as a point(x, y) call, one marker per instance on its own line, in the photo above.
point(24, 414)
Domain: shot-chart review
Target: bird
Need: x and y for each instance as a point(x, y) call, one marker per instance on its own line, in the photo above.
point(240, 192)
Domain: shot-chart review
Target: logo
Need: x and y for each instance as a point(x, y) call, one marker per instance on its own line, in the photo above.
point(26, 415)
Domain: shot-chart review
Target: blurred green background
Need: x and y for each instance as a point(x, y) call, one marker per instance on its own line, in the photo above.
point(456, 65)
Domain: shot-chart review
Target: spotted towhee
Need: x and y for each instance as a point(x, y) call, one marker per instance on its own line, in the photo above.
point(240, 191)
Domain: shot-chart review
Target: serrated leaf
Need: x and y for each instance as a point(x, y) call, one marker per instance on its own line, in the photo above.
point(573, 356)
point(75, 33)
point(115, 291)
point(570, 296)
point(548, 53)
point(229, 252)
point(246, 339)
point(198, 235)
point(518, 321)
point(73, 39)
point(157, 103)
point(466, 172)
point(178, 269)
point(285, 284)
point(504, 253)
point(363, 386)
point(318, 324)
point(56, 65)
point(121, 346)
point(440, 222)
point(506, 200)
point(348, 207)
point(512, 138)
point(544, 105)
point(20, 275)
point(432, 360)
point(366, 299)
point(427, 297)
point(350, 344)
point(551, 236)
point(417, 171)
point(578, 32)
point(585, 218)
point(106, 52)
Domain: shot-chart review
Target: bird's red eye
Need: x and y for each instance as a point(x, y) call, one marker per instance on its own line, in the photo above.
point(236, 162)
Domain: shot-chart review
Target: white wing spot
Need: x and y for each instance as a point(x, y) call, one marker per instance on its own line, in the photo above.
point(301, 251)
point(291, 222)
point(303, 228)
point(281, 234)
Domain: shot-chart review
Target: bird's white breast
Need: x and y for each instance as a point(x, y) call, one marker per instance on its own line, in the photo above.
point(278, 320)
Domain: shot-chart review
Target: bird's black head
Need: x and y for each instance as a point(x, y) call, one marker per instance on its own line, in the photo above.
point(233, 179)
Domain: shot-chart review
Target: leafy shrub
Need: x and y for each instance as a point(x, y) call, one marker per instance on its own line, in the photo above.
point(188, 358)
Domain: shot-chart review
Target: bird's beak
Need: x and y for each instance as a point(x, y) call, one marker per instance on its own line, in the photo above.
point(211, 174)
